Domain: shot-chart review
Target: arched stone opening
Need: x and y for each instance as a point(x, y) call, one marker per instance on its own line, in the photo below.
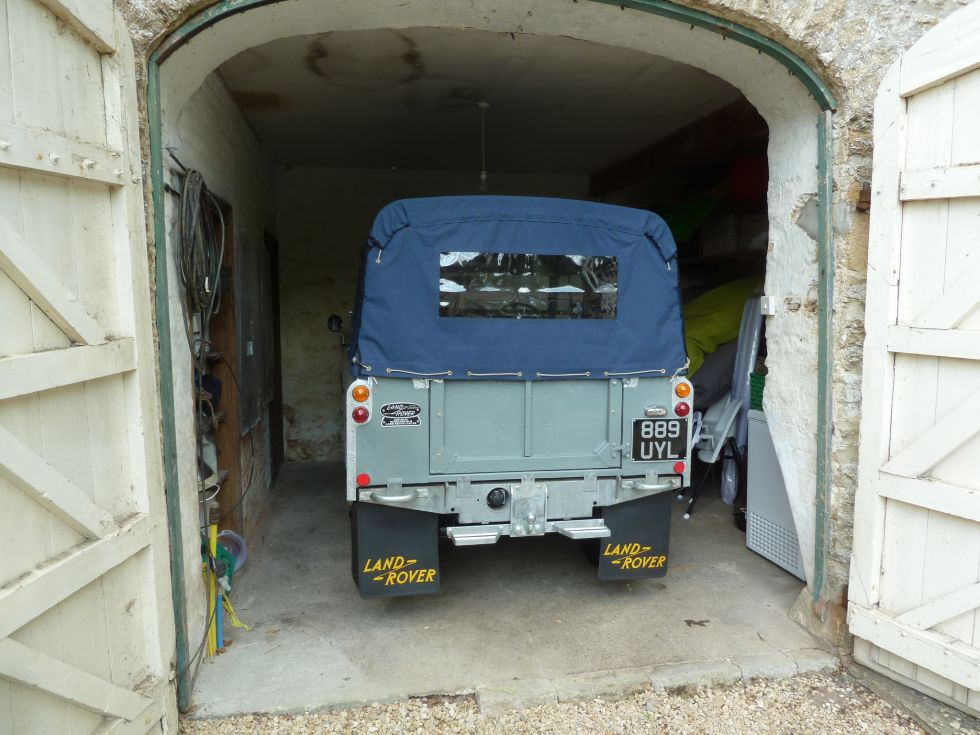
point(786, 102)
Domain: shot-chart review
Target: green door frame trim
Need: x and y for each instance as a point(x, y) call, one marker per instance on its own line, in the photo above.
point(695, 18)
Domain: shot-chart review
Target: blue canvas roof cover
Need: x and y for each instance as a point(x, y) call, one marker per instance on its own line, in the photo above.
point(398, 330)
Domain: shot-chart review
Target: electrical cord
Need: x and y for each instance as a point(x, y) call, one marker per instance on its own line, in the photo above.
point(201, 247)
point(212, 612)
point(199, 254)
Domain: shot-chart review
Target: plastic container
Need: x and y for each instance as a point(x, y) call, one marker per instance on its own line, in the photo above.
point(236, 545)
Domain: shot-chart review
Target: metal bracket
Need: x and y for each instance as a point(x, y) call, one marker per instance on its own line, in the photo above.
point(590, 483)
point(528, 508)
point(582, 529)
point(475, 535)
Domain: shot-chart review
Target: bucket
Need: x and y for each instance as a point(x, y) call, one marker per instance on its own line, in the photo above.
point(236, 546)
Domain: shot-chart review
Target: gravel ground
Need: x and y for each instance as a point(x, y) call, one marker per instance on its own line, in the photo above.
point(817, 704)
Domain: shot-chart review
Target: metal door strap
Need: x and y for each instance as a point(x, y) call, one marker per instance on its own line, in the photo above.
point(412, 372)
point(357, 361)
point(608, 374)
point(685, 366)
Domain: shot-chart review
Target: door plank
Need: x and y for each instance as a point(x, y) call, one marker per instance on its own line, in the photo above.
point(32, 275)
point(34, 669)
point(144, 722)
point(44, 151)
point(51, 583)
point(40, 371)
point(937, 652)
point(90, 19)
point(959, 300)
point(944, 608)
point(966, 118)
point(938, 441)
point(883, 270)
point(943, 497)
point(962, 344)
point(942, 182)
point(20, 466)
point(945, 52)
point(6, 94)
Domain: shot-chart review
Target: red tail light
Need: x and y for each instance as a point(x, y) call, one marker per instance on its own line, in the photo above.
point(360, 414)
point(363, 479)
point(682, 409)
point(679, 468)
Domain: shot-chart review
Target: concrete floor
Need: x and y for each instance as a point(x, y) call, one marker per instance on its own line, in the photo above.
point(521, 609)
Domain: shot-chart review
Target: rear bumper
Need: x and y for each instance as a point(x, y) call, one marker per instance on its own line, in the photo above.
point(551, 503)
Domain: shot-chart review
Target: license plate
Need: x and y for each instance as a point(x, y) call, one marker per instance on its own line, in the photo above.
point(656, 440)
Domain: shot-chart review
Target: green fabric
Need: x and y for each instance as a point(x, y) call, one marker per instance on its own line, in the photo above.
point(714, 318)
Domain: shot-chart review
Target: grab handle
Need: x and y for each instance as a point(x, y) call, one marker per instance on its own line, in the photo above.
point(650, 487)
point(404, 498)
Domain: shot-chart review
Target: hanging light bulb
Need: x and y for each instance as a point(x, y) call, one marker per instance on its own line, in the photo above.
point(484, 106)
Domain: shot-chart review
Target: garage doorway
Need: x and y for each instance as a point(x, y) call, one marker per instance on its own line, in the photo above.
point(312, 134)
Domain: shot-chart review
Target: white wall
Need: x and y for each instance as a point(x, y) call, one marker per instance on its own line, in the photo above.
point(324, 216)
point(209, 134)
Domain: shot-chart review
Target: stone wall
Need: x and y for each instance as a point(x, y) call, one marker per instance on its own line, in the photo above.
point(850, 43)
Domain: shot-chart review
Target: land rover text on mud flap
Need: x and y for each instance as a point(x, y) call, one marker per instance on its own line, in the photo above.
point(518, 370)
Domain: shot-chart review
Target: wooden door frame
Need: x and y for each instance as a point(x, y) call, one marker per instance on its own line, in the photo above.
point(276, 428)
point(224, 343)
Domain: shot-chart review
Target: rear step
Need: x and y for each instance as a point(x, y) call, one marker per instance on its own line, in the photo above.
point(489, 534)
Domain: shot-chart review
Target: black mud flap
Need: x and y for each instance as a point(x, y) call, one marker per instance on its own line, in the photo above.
point(638, 546)
point(394, 551)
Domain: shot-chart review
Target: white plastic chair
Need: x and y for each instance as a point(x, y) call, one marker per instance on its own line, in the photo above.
point(720, 432)
point(716, 441)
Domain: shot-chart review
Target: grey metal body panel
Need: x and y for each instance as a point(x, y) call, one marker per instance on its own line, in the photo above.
point(559, 448)
point(494, 426)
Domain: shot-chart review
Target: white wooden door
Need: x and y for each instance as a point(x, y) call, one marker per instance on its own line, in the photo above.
point(915, 573)
point(86, 622)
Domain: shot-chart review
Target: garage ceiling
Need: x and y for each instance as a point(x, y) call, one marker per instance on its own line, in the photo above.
point(407, 99)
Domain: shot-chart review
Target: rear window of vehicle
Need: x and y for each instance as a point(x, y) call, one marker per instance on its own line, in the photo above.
point(527, 286)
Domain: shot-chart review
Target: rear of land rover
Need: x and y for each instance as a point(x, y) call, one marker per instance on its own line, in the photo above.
point(578, 448)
